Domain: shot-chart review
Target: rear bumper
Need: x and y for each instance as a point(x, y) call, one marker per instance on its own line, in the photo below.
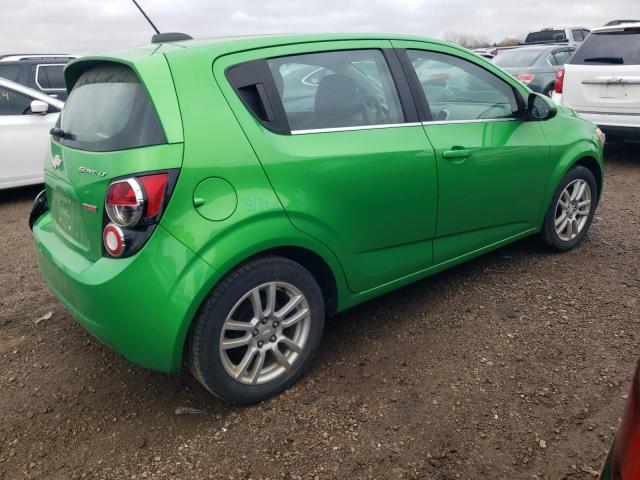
point(140, 306)
point(627, 125)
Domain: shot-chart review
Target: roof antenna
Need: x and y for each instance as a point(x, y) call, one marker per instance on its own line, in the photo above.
point(162, 37)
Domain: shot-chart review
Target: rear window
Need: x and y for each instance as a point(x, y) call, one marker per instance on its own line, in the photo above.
point(50, 77)
point(546, 36)
point(517, 58)
point(109, 109)
point(617, 48)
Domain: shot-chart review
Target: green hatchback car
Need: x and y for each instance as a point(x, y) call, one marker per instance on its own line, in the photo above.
point(209, 202)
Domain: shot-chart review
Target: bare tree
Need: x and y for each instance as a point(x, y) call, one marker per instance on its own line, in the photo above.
point(467, 40)
point(509, 41)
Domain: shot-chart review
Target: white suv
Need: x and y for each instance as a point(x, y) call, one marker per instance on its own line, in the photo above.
point(602, 80)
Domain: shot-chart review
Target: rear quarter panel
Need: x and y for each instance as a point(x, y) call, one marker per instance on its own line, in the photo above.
point(216, 147)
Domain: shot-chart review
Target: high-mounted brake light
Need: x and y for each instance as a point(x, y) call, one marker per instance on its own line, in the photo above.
point(559, 80)
point(526, 78)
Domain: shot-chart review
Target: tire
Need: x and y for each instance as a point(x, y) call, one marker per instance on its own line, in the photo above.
point(576, 215)
point(218, 363)
point(549, 91)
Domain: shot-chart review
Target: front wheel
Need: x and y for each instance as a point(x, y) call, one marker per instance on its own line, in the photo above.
point(258, 330)
point(571, 211)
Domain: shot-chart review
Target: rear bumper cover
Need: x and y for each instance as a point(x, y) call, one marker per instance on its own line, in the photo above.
point(613, 123)
point(140, 306)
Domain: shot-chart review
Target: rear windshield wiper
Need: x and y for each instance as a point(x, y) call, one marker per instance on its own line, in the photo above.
point(615, 60)
point(60, 133)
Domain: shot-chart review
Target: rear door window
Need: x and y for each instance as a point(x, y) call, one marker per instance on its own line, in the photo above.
point(351, 88)
point(14, 103)
point(50, 77)
point(620, 47)
point(578, 36)
point(562, 56)
point(457, 89)
point(109, 109)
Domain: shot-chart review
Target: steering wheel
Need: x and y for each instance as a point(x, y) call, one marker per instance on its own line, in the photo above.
point(374, 111)
point(484, 113)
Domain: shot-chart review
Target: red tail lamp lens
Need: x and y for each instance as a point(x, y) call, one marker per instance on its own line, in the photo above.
point(559, 80)
point(113, 239)
point(526, 78)
point(154, 186)
point(125, 202)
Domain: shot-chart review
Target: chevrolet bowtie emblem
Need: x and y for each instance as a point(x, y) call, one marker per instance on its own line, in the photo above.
point(56, 161)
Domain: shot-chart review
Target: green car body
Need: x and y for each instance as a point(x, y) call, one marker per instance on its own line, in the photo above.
point(365, 210)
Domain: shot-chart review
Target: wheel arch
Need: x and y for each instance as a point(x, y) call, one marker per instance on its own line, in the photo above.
point(592, 164)
point(586, 154)
point(327, 272)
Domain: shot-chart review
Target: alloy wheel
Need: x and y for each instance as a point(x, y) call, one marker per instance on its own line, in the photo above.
point(264, 333)
point(572, 210)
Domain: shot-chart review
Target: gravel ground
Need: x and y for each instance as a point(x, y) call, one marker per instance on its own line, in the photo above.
point(514, 365)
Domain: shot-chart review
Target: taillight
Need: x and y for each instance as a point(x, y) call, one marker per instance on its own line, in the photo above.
point(559, 80)
point(113, 239)
point(133, 206)
point(154, 186)
point(125, 202)
point(526, 78)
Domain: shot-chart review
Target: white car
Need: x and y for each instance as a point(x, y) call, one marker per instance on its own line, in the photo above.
point(26, 116)
point(602, 80)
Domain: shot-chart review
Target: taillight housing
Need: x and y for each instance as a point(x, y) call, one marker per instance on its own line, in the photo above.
point(526, 78)
point(125, 202)
point(559, 80)
point(113, 239)
point(133, 207)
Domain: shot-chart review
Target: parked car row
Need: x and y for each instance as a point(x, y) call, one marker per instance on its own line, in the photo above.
point(601, 82)
point(596, 73)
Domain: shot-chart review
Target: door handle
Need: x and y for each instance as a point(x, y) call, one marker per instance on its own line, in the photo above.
point(456, 154)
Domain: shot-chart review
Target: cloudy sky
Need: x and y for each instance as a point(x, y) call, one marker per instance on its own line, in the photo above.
point(89, 26)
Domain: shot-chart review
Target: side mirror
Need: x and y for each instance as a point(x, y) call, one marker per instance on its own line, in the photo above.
point(39, 107)
point(540, 107)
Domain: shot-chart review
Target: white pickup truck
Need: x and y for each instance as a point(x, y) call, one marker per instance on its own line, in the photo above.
point(602, 80)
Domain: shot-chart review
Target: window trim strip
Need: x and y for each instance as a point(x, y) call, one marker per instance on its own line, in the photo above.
point(398, 125)
point(476, 120)
point(355, 128)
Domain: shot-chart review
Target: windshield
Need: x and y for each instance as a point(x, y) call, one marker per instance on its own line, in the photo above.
point(546, 36)
point(109, 109)
point(517, 58)
point(610, 48)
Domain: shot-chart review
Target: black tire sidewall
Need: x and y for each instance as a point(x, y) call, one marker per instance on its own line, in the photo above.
point(549, 233)
point(205, 360)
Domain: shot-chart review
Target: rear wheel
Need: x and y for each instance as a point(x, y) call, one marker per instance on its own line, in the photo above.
point(258, 330)
point(571, 211)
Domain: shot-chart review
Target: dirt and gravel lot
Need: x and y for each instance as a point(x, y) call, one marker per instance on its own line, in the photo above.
point(514, 365)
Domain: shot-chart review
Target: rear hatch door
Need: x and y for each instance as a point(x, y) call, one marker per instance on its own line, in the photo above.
point(114, 127)
point(604, 74)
